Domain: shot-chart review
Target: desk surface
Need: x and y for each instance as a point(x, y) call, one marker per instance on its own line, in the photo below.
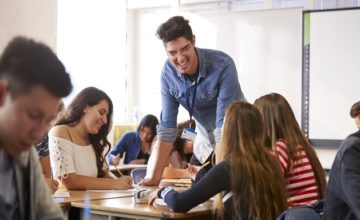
point(79, 195)
point(126, 207)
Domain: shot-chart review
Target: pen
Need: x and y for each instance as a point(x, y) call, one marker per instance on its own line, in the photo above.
point(118, 170)
point(204, 165)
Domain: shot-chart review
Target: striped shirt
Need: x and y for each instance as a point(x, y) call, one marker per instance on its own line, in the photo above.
point(299, 175)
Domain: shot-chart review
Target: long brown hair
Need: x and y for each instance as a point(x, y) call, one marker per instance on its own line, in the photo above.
point(256, 181)
point(72, 115)
point(280, 123)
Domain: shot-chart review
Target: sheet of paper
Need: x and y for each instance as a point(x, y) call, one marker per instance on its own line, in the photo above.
point(61, 194)
point(112, 190)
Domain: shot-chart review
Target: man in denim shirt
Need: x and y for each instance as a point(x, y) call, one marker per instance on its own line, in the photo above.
point(208, 75)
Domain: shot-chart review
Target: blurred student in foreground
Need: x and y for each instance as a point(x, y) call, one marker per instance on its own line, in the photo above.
point(343, 192)
point(78, 143)
point(238, 178)
point(32, 81)
point(304, 175)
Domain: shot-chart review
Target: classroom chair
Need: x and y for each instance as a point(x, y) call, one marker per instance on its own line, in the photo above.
point(137, 175)
point(299, 213)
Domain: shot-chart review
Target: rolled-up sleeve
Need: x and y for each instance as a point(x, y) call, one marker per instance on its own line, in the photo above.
point(166, 134)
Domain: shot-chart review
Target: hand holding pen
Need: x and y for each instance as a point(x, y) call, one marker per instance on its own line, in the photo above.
point(116, 159)
point(193, 170)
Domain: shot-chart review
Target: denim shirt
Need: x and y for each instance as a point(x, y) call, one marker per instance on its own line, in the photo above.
point(130, 144)
point(217, 87)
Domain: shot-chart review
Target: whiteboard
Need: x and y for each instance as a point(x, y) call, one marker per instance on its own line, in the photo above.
point(265, 45)
point(334, 72)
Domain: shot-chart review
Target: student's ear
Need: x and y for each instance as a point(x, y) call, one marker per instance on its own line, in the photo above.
point(193, 40)
point(3, 91)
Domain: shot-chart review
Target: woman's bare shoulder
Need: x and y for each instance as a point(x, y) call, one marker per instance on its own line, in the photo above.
point(61, 131)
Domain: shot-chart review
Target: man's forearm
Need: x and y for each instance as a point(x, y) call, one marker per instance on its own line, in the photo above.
point(159, 159)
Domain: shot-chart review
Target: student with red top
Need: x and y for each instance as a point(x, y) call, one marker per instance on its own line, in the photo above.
point(304, 175)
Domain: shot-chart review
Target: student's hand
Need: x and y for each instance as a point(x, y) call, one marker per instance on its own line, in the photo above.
point(53, 184)
point(116, 159)
point(193, 170)
point(152, 197)
point(124, 182)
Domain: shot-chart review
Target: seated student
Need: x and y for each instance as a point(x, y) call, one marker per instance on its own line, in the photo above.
point(343, 191)
point(42, 148)
point(180, 155)
point(247, 179)
point(43, 151)
point(78, 143)
point(136, 145)
point(183, 149)
point(304, 175)
point(32, 81)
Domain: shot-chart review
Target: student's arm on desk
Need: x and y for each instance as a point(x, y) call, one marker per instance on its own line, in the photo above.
point(46, 168)
point(76, 182)
point(215, 181)
point(137, 161)
point(159, 159)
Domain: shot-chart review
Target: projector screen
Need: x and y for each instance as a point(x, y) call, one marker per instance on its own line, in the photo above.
point(333, 73)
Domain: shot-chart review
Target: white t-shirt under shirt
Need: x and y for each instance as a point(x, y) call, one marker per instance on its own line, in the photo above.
point(67, 157)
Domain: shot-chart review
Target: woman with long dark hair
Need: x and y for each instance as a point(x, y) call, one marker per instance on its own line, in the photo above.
point(136, 145)
point(246, 178)
point(78, 143)
point(304, 175)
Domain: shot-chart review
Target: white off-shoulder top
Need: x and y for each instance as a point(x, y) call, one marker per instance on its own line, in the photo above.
point(67, 157)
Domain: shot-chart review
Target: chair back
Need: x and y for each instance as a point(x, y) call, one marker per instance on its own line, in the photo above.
point(319, 206)
point(299, 213)
point(137, 175)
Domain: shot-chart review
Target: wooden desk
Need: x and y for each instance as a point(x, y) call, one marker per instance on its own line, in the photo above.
point(79, 195)
point(127, 208)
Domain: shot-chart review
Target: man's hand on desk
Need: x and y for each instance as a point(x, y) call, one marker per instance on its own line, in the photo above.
point(149, 182)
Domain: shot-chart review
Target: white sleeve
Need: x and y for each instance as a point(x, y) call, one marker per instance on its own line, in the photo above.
point(61, 156)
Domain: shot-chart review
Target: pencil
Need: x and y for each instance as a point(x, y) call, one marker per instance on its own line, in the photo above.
point(118, 170)
point(204, 165)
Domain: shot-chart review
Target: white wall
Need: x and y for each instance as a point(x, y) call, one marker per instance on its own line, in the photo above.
point(92, 44)
point(36, 19)
point(265, 45)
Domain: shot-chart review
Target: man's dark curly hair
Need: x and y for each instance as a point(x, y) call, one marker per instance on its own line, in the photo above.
point(174, 28)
